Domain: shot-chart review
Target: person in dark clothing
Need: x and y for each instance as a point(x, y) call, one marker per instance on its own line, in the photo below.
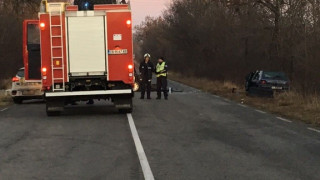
point(162, 72)
point(146, 69)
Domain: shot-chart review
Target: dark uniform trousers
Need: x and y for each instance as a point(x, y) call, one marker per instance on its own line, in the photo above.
point(162, 86)
point(145, 85)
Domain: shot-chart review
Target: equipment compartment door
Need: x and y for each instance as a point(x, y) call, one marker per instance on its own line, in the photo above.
point(86, 45)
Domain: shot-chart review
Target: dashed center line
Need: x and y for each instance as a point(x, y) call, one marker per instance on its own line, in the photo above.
point(147, 173)
point(315, 130)
point(262, 112)
point(3, 109)
point(283, 119)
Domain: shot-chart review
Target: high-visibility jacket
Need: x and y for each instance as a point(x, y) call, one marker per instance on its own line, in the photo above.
point(161, 69)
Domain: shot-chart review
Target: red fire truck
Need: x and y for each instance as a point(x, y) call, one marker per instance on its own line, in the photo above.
point(86, 53)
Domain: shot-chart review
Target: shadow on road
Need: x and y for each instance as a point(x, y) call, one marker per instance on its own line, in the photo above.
point(34, 101)
point(89, 110)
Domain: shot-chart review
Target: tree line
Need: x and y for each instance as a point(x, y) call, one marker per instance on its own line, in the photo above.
point(12, 14)
point(226, 39)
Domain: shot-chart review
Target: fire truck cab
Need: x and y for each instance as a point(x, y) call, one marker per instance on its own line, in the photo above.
point(86, 53)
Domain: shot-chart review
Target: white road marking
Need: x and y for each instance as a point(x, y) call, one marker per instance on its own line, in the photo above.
point(3, 109)
point(285, 120)
point(225, 99)
point(262, 112)
point(242, 105)
point(315, 130)
point(147, 173)
point(216, 96)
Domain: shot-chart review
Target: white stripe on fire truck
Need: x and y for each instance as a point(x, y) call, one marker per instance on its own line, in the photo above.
point(84, 93)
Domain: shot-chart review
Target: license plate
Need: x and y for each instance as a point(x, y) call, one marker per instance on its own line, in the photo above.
point(31, 92)
point(275, 87)
point(120, 51)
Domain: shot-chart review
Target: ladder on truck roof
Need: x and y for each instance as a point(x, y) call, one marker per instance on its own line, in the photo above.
point(56, 35)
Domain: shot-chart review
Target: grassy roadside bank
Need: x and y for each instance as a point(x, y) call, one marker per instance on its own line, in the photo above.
point(4, 100)
point(291, 105)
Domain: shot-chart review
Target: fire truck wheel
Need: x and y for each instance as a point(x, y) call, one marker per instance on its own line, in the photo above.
point(123, 105)
point(17, 100)
point(54, 107)
point(125, 111)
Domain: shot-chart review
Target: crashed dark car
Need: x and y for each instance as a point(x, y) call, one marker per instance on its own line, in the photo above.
point(266, 82)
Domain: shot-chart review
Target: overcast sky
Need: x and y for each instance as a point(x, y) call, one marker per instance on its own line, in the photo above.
point(142, 8)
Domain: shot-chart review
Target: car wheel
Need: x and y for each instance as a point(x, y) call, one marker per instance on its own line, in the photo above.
point(249, 91)
point(17, 100)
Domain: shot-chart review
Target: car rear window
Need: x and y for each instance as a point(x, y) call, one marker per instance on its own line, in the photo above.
point(274, 75)
point(20, 73)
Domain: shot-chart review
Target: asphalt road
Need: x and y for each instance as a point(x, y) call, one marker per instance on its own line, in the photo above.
point(193, 135)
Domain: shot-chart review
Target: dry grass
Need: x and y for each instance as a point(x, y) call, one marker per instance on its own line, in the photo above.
point(5, 83)
point(4, 100)
point(291, 104)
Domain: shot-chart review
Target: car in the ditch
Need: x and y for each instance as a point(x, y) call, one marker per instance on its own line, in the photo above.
point(266, 82)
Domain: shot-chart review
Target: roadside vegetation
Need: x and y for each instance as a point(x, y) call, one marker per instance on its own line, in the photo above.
point(4, 85)
point(12, 14)
point(291, 105)
point(213, 43)
point(4, 100)
point(225, 40)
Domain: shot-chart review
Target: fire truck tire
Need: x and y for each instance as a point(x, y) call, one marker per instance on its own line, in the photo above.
point(17, 100)
point(54, 107)
point(125, 111)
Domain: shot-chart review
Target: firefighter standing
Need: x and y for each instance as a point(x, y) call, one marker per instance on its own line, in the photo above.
point(162, 72)
point(146, 69)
